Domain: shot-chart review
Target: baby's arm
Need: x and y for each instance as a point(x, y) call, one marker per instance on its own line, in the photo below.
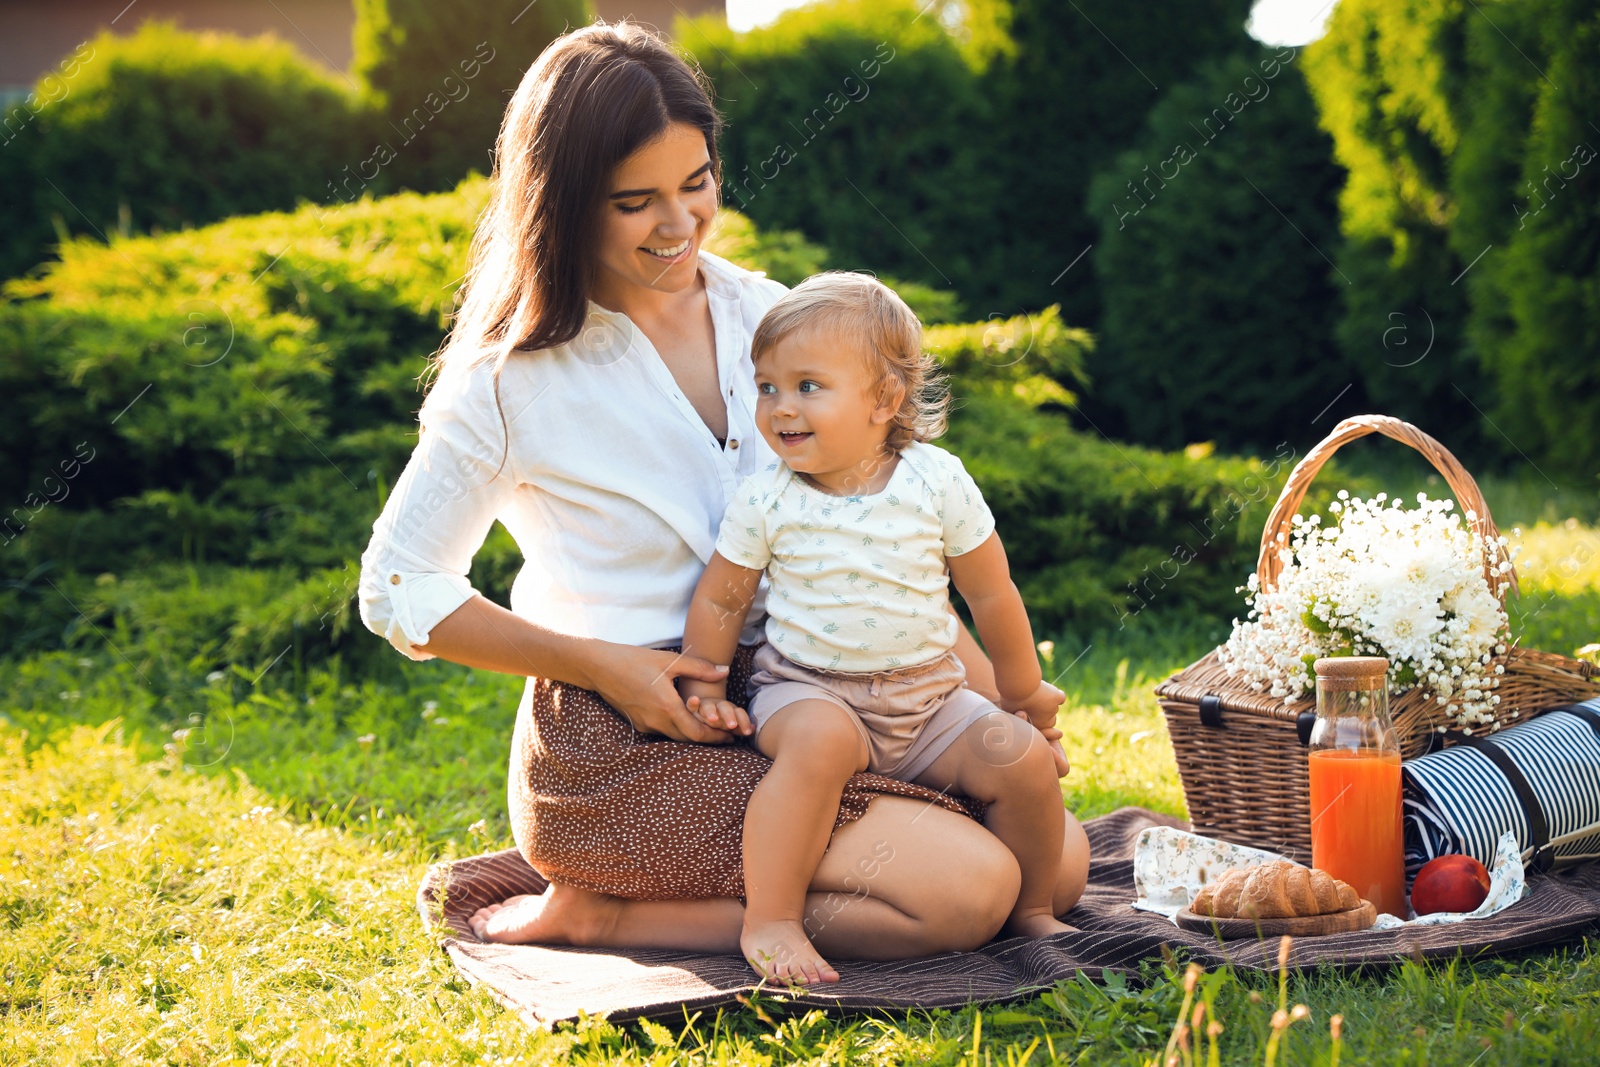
point(984, 580)
point(717, 612)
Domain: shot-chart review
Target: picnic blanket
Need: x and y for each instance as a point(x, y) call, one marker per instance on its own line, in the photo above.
point(548, 984)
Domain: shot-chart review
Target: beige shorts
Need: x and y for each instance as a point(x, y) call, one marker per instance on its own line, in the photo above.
point(907, 717)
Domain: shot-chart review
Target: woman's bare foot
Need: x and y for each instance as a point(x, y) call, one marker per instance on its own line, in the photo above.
point(561, 915)
point(1035, 924)
point(782, 951)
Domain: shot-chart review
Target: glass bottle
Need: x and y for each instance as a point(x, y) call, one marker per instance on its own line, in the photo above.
point(1354, 767)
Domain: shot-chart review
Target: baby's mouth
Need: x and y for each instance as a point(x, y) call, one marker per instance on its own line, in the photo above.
point(793, 437)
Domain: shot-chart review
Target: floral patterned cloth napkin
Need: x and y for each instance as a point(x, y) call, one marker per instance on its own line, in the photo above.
point(1170, 867)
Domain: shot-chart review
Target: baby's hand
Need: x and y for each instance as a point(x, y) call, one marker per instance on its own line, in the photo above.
point(1039, 707)
point(723, 714)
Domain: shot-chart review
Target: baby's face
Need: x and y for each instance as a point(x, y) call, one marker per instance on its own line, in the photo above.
point(819, 408)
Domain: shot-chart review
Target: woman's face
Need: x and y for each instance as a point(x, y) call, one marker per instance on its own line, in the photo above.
point(662, 199)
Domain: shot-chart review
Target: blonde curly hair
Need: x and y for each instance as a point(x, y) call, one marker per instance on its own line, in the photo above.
point(860, 306)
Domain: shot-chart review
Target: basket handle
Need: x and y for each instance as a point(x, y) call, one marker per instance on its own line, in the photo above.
point(1468, 496)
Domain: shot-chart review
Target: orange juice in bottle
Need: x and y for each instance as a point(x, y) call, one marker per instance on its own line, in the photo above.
point(1356, 819)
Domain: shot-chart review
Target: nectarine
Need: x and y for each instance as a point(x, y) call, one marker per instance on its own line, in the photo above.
point(1449, 883)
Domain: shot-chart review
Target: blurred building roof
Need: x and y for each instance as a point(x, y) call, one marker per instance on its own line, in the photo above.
point(34, 36)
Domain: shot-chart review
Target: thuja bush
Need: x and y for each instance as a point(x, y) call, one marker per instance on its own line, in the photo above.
point(161, 129)
point(202, 427)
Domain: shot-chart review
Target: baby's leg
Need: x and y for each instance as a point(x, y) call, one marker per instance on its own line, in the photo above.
point(1006, 763)
point(815, 746)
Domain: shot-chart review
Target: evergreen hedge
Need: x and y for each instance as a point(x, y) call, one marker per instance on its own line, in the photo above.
point(1220, 305)
point(202, 427)
point(1070, 85)
point(437, 78)
point(162, 129)
point(1470, 218)
point(165, 128)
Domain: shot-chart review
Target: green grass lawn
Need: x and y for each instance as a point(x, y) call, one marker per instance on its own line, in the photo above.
point(220, 869)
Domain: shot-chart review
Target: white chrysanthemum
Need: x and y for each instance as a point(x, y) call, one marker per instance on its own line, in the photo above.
point(1407, 584)
point(1481, 615)
point(1404, 623)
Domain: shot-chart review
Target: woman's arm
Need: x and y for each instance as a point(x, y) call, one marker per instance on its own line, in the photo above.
point(414, 590)
point(638, 682)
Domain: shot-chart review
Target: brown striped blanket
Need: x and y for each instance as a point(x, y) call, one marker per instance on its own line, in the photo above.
point(546, 985)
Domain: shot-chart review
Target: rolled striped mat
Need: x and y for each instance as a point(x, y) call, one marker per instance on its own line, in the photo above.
point(1539, 779)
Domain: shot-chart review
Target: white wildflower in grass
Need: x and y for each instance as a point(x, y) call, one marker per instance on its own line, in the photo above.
point(1380, 580)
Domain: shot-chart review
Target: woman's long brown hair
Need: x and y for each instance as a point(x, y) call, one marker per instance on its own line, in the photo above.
point(593, 97)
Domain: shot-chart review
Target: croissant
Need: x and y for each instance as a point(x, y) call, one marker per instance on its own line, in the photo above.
point(1277, 890)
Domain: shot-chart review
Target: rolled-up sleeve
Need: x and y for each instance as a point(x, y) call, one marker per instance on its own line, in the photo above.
point(459, 477)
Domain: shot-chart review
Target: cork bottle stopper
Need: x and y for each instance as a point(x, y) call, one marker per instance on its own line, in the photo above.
point(1346, 674)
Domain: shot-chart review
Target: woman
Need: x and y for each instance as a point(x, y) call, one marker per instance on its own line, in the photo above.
point(596, 396)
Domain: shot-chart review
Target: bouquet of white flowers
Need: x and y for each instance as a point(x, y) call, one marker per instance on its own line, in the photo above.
point(1406, 584)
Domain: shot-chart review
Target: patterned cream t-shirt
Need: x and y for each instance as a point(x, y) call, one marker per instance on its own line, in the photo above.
point(859, 583)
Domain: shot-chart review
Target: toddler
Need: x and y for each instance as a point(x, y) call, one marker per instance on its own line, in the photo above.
point(860, 527)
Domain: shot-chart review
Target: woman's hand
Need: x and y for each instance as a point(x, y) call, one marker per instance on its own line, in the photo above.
point(641, 684)
point(1053, 737)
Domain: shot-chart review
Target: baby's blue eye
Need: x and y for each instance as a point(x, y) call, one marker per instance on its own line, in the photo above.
point(767, 388)
point(807, 385)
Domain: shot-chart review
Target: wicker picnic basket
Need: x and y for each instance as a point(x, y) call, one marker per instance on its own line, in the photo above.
point(1241, 752)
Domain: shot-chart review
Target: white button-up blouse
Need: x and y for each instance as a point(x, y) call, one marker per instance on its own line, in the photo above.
point(605, 475)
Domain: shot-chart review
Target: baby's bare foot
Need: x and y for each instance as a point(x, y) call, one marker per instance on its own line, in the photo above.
point(1035, 924)
point(561, 915)
point(782, 951)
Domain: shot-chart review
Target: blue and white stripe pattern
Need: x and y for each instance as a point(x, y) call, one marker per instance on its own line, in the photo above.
point(1458, 801)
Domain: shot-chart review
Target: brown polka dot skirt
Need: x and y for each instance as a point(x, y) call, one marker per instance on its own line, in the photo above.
point(598, 805)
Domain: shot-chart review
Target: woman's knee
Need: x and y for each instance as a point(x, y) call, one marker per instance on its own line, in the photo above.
point(944, 870)
point(1074, 877)
point(967, 915)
